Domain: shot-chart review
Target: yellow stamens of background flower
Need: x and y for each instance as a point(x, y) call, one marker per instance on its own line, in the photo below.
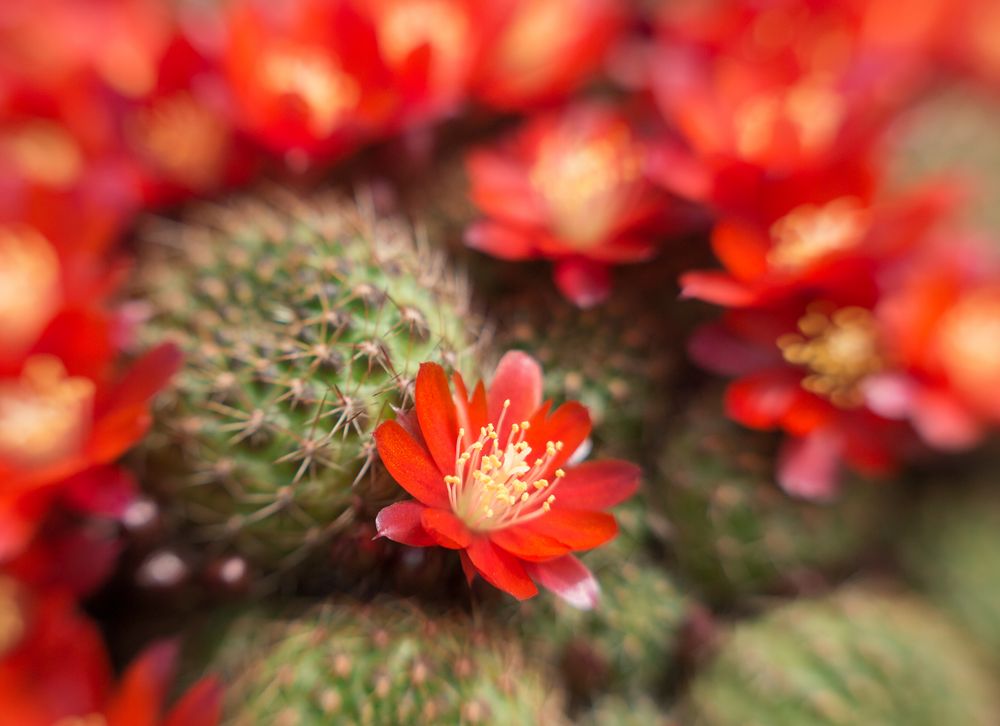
point(327, 91)
point(29, 284)
point(969, 338)
point(840, 349)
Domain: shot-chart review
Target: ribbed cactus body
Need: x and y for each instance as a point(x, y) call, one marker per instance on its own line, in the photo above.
point(376, 664)
point(857, 657)
point(303, 325)
point(734, 531)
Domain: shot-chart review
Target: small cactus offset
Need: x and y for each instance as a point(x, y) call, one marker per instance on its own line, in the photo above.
point(303, 324)
point(950, 549)
point(859, 656)
point(376, 664)
point(734, 531)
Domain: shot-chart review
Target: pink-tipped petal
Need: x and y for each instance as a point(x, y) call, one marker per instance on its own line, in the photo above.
point(583, 282)
point(140, 696)
point(518, 379)
point(410, 465)
point(808, 466)
point(498, 240)
point(401, 522)
point(719, 288)
point(568, 578)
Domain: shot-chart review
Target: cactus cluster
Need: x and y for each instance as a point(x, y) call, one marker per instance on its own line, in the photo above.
point(303, 323)
point(386, 663)
point(859, 656)
point(734, 533)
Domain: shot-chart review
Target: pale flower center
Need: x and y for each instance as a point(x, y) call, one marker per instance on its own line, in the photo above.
point(29, 284)
point(969, 338)
point(586, 183)
point(406, 26)
point(182, 137)
point(44, 414)
point(499, 484)
point(327, 91)
point(814, 111)
point(44, 153)
point(840, 350)
point(531, 46)
point(809, 232)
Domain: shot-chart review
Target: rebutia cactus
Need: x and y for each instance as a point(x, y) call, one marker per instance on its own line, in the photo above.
point(376, 664)
point(734, 532)
point(304, 324)
point(857, 657)
point(618, 711)
point(953, 132)
point(951, 551)
point(614, 359)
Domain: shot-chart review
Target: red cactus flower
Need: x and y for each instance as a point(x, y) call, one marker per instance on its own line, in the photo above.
point(54, 669)
point(532, 55)
point(569, 187)
point(490, 478)
point(942, 321)
point(60, 428)
point(307, 75)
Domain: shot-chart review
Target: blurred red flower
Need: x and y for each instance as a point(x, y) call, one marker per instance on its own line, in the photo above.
point(569, 186)
point(487, 478)
point(539, 51)
point(307, 76)
point(942, 322)
point(54, 670)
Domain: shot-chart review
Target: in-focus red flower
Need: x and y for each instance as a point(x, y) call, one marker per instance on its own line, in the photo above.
point(539, 51)
point(54, 670)
point(307, 76)
point(569, 187)
point(490, 478)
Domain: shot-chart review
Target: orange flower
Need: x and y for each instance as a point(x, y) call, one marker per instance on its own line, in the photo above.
point(490, 478)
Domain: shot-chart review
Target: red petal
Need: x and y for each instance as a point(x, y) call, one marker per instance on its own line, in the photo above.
point(200, 706)
point(144, 379)
point(570, 424)
point(500, 569)
point(518, 379)
point(410, 465)
point(436, 413)
point(719, 288)
point(498, 240)
point(501, 189)
point(761, 401)
point(140, 696)
point(741, 249)
point(716, 348)
point(576, 529)
point(472, 413)
point(400, 522)
point(568, 578)
point(446, 529)
point(527, 544)
point(599, 484)
point(583, 282)
point(102, 490)
point(468, 569)
point(808, 466)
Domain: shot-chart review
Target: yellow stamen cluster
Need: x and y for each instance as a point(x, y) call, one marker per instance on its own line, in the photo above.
point(809, 232)
point(586, 182)
point(839, 348)
point(327, 91)
point(44, 153)
point(969, 338)
point(496, 484)
point(45, 414)
point(813, 109)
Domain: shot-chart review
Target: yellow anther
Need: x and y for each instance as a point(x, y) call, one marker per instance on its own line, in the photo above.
point(560, 473)
point(506, 403)
point(552, 498)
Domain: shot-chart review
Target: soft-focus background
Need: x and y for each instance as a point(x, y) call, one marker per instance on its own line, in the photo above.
point(757, 239)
